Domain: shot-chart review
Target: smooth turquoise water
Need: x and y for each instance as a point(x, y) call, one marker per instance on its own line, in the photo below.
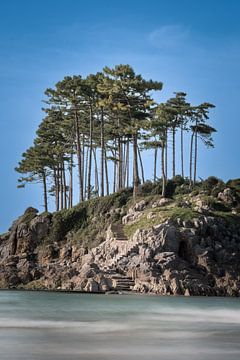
point(63, 326)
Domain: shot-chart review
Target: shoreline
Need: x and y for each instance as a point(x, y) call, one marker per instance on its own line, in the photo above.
point(120, 293)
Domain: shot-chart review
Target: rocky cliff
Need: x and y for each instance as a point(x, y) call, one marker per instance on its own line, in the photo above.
point(188, 244)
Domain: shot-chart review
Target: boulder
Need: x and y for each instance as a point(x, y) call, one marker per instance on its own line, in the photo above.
point(227, 196)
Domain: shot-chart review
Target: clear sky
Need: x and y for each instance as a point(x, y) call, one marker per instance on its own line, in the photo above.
point(192, 46)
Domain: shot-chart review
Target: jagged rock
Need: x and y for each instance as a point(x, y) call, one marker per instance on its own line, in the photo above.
point(92, 286)
point(40, 225)
point(161, 202)
point(151, 215)
point(140, 206)
point(200, 256)
point(227, 196)
point(131, 218)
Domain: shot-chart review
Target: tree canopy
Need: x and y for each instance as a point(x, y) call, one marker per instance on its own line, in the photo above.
point(96, 128)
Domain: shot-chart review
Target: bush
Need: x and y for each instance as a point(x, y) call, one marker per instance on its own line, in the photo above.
point(234, 184)
point(66, 220)
point(89, 218)
point(214, 204)
point(178, 180)
point(183, 190)
point(147, 188)
point(211, 182)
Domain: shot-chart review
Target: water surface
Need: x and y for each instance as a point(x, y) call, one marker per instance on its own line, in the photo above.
point(67, 326)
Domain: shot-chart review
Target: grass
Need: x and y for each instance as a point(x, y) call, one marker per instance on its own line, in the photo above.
point(86, 223)
point(29, 215)
point(162, 214)
point(89, 220)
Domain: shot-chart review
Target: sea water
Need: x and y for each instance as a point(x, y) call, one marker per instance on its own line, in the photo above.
point(71, 326)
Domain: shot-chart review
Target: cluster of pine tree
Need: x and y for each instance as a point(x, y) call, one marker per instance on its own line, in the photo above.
point(99, 123)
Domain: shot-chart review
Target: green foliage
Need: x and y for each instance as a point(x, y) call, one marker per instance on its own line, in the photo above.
point(150, 188)
point(179, 180)
point(211, 182)
point(234, 184)
point(184, 189)
point(29, 215)
point(161, 215)
point(88, 220)
point(108, 111)
point(68, 220)
point(172, 184)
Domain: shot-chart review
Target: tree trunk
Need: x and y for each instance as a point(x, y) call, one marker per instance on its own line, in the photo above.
point(119, 163)
point(96, 173)
point(173, 152)
point(70, 199)
point(86, 175)
point(45, 191)
point(64, 186)
point(163, 169)
point(114, 167)
point(102, 155)
point(55, 172)
point(61, 187)
point(106, 173)
point(127, 163)
point(155, 165)
point(79, 156)
point(141, 165)
point(125, 156)
point(135, 166)
point(83, 167)
point(166, 155)
point(195, 158)
point(182, 159)
point(190, 164)
point(58, 188)
point(90, 154)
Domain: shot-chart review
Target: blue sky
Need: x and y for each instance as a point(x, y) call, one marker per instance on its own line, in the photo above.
point(192, 46)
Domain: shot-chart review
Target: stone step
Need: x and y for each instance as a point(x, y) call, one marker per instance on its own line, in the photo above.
point(118, 232)
point(118, 277)
point(124, 285)
point(121, 278)
point(122, 289)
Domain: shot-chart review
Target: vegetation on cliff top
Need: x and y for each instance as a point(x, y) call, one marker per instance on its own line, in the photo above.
point(87, 222)
point(96, 128)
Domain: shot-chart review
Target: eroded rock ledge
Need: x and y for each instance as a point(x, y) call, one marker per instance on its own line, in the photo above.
point(161, 253)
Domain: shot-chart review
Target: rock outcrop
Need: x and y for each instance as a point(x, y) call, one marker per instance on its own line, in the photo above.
point(166, 255)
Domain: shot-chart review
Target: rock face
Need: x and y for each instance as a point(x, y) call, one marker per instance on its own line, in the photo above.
point(200, 256)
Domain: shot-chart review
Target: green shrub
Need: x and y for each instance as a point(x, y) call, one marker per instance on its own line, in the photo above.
point(179, 180)
point(88, 219)
point(211, 182)
point(150, 188)
point(177, 186)
point(183, 190)
point(29, 214)
point(170, 188)
point(234, 184)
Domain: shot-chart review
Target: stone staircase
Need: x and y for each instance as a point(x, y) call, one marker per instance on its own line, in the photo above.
point(122, 283)
point(118, 232)
point(113, 264)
